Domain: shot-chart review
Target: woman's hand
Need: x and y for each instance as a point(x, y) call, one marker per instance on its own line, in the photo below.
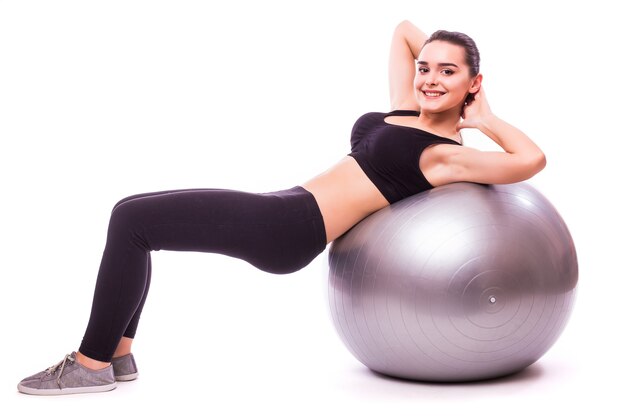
point(476, 112)
point(520, 160)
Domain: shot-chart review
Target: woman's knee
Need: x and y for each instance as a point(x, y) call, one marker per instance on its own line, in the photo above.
point(126, 199)
point(128, 218)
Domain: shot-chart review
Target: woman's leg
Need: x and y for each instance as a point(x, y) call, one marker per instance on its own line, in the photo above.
point(131, 330)
point(124, 346)
point(278, 232)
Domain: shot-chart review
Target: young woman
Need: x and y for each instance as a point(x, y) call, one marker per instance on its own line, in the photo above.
point(414, 147)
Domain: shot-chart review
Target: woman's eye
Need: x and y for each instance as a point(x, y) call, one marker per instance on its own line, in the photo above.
point(422, 70)
point(447, 72)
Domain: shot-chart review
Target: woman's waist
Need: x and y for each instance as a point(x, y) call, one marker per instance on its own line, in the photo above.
point(345, 196)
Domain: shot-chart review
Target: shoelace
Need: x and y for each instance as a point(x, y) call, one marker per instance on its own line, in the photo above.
point(51, 370)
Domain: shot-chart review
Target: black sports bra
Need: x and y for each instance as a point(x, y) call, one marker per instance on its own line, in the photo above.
point(389, 154)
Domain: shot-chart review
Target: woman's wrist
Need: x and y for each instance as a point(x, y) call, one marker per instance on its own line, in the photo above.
point(486, 123)
point(491, 126)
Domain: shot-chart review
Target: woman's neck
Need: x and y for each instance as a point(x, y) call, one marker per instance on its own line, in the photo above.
point(443, 124)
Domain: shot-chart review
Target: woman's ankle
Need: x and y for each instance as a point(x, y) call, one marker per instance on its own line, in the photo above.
point(90, 363)
point(123, 347)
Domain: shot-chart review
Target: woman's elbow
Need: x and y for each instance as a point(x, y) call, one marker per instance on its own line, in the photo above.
point(403, 25)
point(405, 28)
point(535, 164)
point(540, 161)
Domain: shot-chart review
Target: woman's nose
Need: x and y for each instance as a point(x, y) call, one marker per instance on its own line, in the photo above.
point(431, 80)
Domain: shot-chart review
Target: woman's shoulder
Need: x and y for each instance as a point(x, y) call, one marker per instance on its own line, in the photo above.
point(368, 120)
point(372, 116)
point(380, 115)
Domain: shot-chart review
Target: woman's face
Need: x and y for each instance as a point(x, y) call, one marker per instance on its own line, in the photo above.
point(443, 80)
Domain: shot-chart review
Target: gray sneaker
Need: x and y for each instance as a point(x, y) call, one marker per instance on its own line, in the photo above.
point(125, 368)
point(68, 377)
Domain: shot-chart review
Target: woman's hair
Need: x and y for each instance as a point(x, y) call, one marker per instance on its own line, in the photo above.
point(472, 56)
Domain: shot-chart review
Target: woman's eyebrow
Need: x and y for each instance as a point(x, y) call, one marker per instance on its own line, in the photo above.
point(441, 64)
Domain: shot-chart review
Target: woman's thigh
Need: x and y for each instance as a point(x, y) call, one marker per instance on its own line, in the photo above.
point(278, 232)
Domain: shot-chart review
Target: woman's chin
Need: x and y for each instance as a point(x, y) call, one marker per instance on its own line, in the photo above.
point(438, 108)
point(429, 108)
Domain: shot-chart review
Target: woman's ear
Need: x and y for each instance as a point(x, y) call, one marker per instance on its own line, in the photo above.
point(476, 83)
point(474, 88)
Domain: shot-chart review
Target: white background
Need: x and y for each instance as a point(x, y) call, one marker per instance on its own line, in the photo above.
point(104, 99)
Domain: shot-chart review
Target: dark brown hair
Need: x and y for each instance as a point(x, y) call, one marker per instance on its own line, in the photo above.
point(472, 56)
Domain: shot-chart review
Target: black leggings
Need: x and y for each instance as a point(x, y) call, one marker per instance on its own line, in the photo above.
point(278, 232)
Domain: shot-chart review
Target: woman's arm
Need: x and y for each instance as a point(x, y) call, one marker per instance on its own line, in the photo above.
point(406, 44)
point(520, 160)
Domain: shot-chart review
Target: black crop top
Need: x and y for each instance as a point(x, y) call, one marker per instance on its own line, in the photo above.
point(389, 154)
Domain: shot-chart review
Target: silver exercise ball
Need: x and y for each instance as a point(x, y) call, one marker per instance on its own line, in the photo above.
point(460, 283)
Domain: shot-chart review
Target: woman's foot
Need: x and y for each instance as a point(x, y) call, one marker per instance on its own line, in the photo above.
point(69, 377)
point(124, 365)
point(125, 368)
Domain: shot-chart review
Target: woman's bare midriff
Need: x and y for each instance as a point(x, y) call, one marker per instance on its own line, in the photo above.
point(345, 196)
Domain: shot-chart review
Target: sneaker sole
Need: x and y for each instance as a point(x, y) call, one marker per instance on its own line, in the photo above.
point(64, 391)
point(127, 377)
